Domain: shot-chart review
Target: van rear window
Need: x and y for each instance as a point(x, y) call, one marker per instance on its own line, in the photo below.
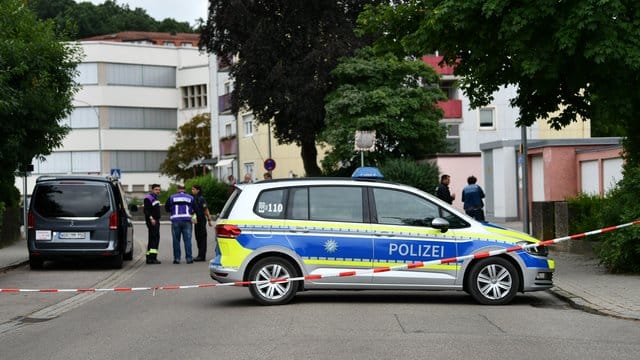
point(71, 200)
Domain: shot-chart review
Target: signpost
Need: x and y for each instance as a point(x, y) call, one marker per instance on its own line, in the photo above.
point(269, 164)
point(116, 173)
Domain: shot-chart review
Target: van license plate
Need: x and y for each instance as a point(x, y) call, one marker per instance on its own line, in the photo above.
point(71, 235)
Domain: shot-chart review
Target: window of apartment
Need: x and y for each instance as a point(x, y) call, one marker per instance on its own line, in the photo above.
point(228, 87)
point(141, 75)
point(65, 162)
point(247, 124)
point(228, 131)
point(87, 74)
point(249, 168)
point(142, 118)
point(453, 130)
point(137, 161)
point(186, 44)
point(487, 118)
point(194, 96)
point(169, 44)
point(82, 118)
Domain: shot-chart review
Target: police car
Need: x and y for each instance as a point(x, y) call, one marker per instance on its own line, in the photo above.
point(319, 228)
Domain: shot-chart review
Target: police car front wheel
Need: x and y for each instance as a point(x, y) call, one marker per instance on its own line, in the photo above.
point(493, 281)
point(272, 293)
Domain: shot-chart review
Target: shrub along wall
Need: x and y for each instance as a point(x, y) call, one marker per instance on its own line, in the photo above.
point(9, 225)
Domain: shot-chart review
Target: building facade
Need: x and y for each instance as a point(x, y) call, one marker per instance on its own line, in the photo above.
point(137, 88)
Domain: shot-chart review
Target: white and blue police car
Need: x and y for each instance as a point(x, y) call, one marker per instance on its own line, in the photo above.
point(315, 228)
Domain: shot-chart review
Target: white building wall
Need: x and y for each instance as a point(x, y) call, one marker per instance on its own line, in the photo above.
point(191, 69)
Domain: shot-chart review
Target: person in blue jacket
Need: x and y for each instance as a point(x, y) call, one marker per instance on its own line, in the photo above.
point(180, 206)
point(472, 196)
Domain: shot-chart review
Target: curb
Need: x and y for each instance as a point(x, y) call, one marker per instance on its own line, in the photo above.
point(579, 303)
point(13, 266)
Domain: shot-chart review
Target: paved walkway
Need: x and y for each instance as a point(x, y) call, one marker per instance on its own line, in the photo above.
point(579, 279)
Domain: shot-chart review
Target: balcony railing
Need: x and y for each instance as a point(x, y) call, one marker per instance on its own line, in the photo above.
point(224, 103)
point(452, 108)
point(229, 145)
point(224, 62)
point(434, 60)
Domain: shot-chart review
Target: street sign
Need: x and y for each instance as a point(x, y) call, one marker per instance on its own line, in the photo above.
point(269, 164)
point(116, 173)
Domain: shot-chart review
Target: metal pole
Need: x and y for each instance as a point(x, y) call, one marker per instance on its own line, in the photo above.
point(525, 182)
point(25, 221)
point(362, 158)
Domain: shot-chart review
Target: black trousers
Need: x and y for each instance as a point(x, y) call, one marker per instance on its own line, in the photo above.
point(154, 235)
point(201, 238)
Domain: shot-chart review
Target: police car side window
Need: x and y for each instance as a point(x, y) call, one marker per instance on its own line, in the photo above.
point(299, 203)
point(271, 204)
point(401, 208)
point(336, 203)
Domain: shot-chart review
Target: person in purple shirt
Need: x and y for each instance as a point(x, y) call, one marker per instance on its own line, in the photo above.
point(152, 219)
point(180, 206)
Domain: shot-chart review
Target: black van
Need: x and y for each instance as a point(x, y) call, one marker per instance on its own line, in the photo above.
point(79, 216)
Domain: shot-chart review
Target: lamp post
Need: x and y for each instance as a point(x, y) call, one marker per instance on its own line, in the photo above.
point(99, 130)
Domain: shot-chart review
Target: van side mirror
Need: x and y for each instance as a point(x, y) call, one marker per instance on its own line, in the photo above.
point(440, 223)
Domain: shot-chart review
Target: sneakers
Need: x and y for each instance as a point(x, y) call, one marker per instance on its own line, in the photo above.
point(176, 261)
point(199, 258)
point(153, 261)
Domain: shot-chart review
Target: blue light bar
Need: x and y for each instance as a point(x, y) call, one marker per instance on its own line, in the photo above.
point(367, 173)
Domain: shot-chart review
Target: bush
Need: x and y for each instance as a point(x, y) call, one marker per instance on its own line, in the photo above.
point(215, 192)
point(409, 172)
point(585, 213)
point(620, 250)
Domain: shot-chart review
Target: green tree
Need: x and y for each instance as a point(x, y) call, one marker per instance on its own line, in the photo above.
point(396, 97)
point(37, 83)
point(286, 50)
point(86, 19)
point(568, 58)
point(193, 143)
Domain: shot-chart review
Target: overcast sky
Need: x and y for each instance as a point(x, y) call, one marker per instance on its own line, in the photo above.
point(181, 10)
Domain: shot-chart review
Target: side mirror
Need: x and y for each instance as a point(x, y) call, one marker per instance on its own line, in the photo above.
point(440, 223)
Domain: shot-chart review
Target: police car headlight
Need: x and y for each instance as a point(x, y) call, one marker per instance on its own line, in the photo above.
point(535, 250)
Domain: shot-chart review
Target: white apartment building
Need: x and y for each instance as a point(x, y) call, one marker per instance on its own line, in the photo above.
point(137, 88)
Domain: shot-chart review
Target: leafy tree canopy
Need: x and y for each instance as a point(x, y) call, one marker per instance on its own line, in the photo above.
point(568, 58)
point(193, 143)
point(85, 19)
point(286, 50)
point(386, 94)
point(37, 84)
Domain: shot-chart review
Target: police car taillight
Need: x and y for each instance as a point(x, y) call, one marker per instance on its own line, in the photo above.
point(227, 231)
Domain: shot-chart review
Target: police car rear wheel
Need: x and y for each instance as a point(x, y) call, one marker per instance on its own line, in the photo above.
point(493, 281)
point(272, 293)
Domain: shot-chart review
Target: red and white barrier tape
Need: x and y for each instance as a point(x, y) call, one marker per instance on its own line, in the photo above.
point(414, 265)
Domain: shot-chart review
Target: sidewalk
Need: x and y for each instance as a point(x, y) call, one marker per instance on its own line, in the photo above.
point(578, 279)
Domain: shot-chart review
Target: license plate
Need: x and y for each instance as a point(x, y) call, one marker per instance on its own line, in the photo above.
point(71, 235)
point(43, 234)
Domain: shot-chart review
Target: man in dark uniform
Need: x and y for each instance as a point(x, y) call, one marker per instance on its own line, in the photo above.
point(152, 219)
point(202, 214)
point(443, 192)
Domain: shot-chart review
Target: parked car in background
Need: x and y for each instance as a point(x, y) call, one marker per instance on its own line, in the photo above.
point(79, 217)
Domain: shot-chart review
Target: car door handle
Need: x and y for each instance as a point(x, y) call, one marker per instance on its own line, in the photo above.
point(385, 233)
point(299, 229)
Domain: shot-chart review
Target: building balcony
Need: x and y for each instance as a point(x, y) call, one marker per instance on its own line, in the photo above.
point(224, 103)
point(452, 108)
point(229, 145)
point(434, 60)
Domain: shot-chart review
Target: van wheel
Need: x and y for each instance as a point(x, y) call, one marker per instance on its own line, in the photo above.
point(272, 293)
point(116, 261)
point(129, 256)
point(493, 281)
point(36, 263)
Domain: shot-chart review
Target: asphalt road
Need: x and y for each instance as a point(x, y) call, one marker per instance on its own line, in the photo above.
point(225, 323)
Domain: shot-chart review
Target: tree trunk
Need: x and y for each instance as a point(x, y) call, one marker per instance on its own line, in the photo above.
point(309, 154)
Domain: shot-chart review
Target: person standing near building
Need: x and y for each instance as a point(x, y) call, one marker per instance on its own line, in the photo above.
point(152, 219)
point(472, 196)
point(442, 192)
point(203, 218)
point(180, 206)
